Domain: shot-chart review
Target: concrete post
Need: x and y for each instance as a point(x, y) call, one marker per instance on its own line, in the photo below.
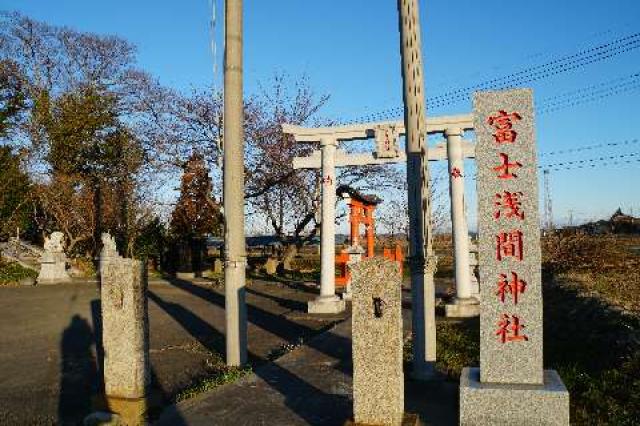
point(235, 255)
point(464, 305)
point(422, 262)
point(328, 302)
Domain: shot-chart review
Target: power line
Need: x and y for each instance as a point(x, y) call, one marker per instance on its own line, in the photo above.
point(590, 94)
point(528, 75)
point(590, 147)
point(590, 160)
point(621, 159)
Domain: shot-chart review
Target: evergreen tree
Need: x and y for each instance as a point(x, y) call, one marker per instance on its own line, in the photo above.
point(197, 213)
point(15, 200)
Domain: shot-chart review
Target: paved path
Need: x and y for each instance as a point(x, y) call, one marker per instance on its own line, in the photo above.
point(308, 386)
point(48, 362)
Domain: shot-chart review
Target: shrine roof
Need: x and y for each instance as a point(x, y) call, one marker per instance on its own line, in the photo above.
point(371, 200)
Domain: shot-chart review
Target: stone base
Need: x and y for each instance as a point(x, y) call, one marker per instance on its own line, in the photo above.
point(347, 295)
point(53, 281)
point(185, 275)
point(408, 420)
point(462, 308)
point(521, 405)
point(326, 305)
point(131, 412)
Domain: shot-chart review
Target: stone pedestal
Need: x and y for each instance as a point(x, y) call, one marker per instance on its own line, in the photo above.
point(378, 379)
point(53, 262)
point(185, 275)
point(218, 266)
point(125, 333)
point(463, 308)
point(355, 254)
point(511, 404)
point(53, 269)
point(271, 266)
point(326, 305)
point(474, 270)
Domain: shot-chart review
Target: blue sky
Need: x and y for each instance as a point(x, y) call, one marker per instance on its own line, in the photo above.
point(350, 50)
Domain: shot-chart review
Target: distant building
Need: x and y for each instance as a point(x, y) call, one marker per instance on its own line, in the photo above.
point(619, 223)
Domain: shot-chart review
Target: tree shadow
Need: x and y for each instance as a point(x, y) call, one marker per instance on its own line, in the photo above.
point(208, 336)
point(307, 401)
point(587, 332)
point(275, 324)
point(292, 305)
point(293, 284)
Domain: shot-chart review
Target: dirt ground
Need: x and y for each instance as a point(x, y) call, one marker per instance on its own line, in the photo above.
point(48, 334)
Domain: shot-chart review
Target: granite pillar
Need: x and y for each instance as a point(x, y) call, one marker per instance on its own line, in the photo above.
point(510, 386)
point(125, 333)
point(378, 380)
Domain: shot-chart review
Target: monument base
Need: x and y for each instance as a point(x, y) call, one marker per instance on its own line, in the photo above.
point(462, 308)
point(512, 404)
point(185, 275)
point(326, 305)
point(409, 419)
point(53, 281)
point(131, 411)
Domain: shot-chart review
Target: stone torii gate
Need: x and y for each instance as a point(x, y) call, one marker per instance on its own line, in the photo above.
point(386, 135)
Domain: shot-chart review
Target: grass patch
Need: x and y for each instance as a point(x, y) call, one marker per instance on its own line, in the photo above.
point(12, 273)
point(595, 346)
point(284, 349)
point(222, 377)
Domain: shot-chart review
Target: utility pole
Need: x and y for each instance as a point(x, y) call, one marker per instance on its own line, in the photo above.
point(233, 176)
point(422, 262)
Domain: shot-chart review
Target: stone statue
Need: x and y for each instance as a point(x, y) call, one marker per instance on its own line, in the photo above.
point(109, 248)
point(54, 243)
point(53, 263)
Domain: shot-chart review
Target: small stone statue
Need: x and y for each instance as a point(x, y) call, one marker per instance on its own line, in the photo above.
point(53, 263)
point(109, 248)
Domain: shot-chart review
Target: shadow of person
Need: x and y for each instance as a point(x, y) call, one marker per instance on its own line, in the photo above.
point(79, 376)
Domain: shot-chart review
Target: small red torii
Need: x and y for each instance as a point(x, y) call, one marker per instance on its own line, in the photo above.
point(361, 212)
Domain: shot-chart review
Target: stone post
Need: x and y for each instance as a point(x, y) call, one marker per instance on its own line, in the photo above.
point(510, 387)
point(125, 333)
point(378, 380)
point(328, 302)
point(464, 305)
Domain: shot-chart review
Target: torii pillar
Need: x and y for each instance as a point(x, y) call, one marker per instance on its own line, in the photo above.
point(464, 305)
point(328, 302)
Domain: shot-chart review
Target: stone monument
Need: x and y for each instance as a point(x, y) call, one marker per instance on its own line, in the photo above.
point(510, 387)
point(53, 263)
point(378, 380)
point(125, 333)
point(271, 266)
point(474, 269)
